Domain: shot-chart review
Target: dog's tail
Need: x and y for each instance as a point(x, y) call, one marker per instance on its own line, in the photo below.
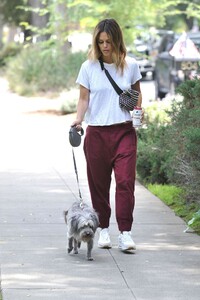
point(65, 215)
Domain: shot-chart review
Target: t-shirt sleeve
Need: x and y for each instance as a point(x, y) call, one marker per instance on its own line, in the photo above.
point(83, 78)
point(136, 73)
point(134, 70)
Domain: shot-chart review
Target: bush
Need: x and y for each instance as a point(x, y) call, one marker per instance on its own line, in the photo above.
point(152, 155)
point(151, 161)
point(69, 101)
point(9, 51)
point(194, 223)
point(37, 70)
point(168, 151)
point(186, 134)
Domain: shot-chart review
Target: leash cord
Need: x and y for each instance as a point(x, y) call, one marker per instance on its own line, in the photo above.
point(76, 172)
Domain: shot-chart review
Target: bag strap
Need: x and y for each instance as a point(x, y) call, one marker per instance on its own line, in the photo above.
point(115, 86)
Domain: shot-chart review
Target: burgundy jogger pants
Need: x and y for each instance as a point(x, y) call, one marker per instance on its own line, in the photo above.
point(107, 149)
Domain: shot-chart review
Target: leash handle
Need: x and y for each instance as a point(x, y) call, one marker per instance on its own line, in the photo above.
point(76, 172)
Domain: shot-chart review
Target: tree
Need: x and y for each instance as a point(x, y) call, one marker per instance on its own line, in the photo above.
point(133, 15)
point(12, 15)
point(1, 30)
point(55, 19)
point(182, 14)
point(39, 17)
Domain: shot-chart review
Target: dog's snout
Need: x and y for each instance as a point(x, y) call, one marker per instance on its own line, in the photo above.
point(88, 234)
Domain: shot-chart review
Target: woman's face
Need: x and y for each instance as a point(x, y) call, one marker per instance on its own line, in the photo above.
point(105, 47)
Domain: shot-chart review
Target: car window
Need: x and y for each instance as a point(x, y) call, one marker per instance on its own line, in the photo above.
point(167, 43)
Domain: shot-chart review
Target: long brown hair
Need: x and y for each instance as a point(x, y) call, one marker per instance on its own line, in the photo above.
point(113, 30)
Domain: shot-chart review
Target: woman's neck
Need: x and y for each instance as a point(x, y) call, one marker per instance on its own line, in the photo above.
point(107, 60)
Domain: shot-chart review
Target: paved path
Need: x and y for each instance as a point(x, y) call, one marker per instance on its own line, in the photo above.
point(37, 182)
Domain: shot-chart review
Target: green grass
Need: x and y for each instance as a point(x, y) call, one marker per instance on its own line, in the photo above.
point(174, 197)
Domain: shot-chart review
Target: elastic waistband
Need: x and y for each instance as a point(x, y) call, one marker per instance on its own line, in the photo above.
point(120, 125)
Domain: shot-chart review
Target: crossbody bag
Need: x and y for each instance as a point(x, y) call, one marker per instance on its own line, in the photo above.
point(127, 99)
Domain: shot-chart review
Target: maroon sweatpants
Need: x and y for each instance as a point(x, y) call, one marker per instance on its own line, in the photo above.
point(109, 148)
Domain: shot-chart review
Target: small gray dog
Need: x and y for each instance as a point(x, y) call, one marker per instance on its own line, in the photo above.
point(82, 222)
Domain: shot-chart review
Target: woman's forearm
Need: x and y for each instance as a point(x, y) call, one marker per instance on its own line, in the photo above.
point(81, 109)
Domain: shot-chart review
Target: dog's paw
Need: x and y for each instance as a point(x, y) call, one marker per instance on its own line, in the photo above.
point(69, 250)
point(90, 258)
point(75, 251)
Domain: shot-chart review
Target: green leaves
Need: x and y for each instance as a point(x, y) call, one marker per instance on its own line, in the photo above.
point(67, 15)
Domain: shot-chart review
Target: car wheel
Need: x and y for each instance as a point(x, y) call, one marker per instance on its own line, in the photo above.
point(144, 75)
point(173, 86)
point(158, 93)
point(153, 75)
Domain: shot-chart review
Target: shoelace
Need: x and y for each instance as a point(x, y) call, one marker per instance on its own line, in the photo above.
point(105, 235)
point(127, 237)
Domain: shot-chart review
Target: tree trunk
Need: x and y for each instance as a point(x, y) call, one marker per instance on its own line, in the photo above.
point(38, 21)
point(11, 34)
point(61, 27)
point(1, 31)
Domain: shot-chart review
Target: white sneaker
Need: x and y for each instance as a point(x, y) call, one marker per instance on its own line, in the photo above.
point(104, 239)
point(126, 242)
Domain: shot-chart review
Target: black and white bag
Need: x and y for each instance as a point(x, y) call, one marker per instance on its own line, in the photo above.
point(127, 99)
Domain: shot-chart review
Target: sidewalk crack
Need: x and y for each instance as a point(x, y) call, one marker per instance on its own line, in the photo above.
point(122, 275)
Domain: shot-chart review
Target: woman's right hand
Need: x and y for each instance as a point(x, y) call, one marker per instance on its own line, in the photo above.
point(78, 124)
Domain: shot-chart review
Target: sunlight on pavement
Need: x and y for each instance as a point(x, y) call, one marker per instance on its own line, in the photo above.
point(29, 137)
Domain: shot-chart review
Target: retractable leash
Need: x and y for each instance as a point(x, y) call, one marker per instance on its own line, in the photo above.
point(76, 172)
point(75, 140)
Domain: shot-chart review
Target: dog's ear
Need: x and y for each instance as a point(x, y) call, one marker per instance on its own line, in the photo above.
point(95, 219)
point(65, 215)
point(74, 223)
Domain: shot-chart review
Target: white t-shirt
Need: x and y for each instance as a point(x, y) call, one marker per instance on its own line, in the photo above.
point(104, 106)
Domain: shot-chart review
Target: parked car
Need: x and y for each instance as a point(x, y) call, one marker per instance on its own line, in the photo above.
point(145, 63)
point(172, 69)
point(140, 50)
point(146, 49)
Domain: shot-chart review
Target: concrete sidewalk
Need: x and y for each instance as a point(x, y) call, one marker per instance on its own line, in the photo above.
point(37, 182)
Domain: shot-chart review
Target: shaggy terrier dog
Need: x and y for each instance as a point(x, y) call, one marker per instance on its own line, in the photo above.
point(82, 222)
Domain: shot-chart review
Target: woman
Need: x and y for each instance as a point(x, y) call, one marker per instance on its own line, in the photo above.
point(110, 142)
